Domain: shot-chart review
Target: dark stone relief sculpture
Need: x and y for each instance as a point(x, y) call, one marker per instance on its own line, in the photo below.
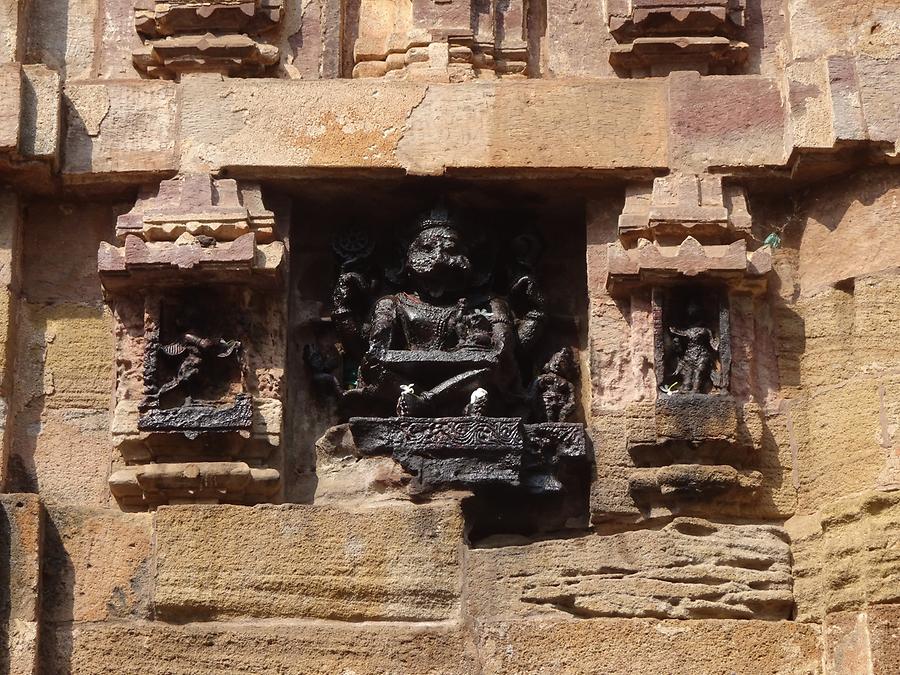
point(693, 339)
point(438, 359)
point(192, 382)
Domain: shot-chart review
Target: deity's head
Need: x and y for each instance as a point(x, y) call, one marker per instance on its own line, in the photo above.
point(437, 260)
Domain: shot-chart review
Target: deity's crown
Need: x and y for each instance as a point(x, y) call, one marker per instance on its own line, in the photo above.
point(439, 216)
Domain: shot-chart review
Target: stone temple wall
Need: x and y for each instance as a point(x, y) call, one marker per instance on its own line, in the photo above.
point(449, 336)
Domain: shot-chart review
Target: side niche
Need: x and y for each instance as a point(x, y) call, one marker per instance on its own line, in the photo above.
point(696, 440)
point(209, 36)
point(444, 361)
point(195, 287)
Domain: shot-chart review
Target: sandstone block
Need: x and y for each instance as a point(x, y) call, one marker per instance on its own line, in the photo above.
point(97, 564)
point(689, 569)
point(626, 646)
point(389, 563)
point(21, 544)
point(724, 120)
point(119, 127)
point(846, 558)
point(299, 648)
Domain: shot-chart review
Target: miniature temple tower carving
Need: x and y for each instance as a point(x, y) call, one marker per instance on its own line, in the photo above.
point(214, 36)
point(195, 289)
point(682, 260)
point(658, 36)
point(442, 40)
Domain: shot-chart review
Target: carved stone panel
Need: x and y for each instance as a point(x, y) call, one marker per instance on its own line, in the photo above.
point(199, 345)
point(440, 355)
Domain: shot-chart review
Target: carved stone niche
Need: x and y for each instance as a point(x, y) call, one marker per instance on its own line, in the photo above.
point(657, 37)
point(195, 288)
point(210, 36)
point(441, 355)
point(698, 434)
point(441, 40)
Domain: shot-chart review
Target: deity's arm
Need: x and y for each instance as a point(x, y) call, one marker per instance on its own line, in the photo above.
point(349, 294)
point(384, 319)
point(526, 297)
point(675, 331)
point(501, 324)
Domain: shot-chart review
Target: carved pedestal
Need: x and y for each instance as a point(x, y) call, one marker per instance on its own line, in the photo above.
point(196, 291)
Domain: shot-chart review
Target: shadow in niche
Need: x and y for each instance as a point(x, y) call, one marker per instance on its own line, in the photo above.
point(389, 208)
point(57, 606)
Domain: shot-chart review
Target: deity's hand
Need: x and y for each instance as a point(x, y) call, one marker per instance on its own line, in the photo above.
point(376, 352)
point(525, 290)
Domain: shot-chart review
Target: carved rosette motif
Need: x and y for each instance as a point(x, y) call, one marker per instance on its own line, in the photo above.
point(200, 420)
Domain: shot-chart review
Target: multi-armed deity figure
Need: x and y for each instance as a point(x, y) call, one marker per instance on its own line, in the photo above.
point(698, 352)
point(446, 342)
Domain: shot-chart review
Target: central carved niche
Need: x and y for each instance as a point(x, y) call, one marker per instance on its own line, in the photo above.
point(442, 359)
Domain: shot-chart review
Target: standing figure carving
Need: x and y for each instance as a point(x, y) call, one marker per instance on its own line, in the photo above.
point(697, 353)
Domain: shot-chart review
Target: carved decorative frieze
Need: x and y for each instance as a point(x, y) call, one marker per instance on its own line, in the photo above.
point(219, 36)
point(658, 36)
point(440, 359)
point(200, 344)
point(443, 40)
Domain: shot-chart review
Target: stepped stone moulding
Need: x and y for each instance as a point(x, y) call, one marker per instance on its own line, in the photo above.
point(658, 36)
point(442, 40)
point(433, 355)
point(197, 36)
point(198, 303)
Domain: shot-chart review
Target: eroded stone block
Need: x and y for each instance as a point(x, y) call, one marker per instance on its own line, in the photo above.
point(388, 563)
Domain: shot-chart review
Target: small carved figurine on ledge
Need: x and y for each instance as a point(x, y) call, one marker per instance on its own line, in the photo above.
point(697, 353)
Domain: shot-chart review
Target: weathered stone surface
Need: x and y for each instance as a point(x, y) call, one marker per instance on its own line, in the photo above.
point(98, 564)
point(21, 545)
point(846, 558)
point(307, 648)
point(625, 646)
point(388, 563)
point(691, 568)
point(120, 126)
point(422, 129)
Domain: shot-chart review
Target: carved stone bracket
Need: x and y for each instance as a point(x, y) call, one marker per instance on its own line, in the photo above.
point(659, 36)
point(217, 36)
point(474, 452)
